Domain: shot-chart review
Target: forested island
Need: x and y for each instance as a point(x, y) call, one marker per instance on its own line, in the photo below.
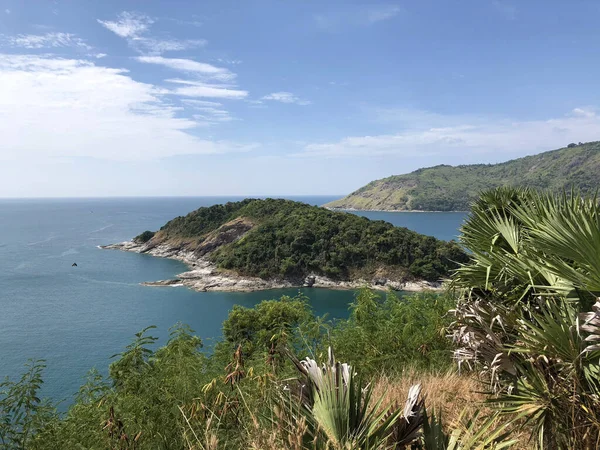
point(455, 188)
point(259, 244)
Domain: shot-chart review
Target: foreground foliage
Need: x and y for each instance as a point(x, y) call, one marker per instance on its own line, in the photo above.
point(525, 316)
point(394, 333)
point(177, 396)
point(340, 412)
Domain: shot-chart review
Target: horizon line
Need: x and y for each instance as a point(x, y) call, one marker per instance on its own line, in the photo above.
point(171, 196)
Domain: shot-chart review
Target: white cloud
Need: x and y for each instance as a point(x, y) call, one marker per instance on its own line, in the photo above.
point(359, 16)
point(213, 115)
point(53, 107)
point(466, 135)
point(285, 97)
point(48, 40)
point(129, 24)
point(157, 46)
point(134, 27)
point(190, 66)
point(211, 81)
point(232, 62)
point(100, 55)
point(209, 91)
point(209, 112)
point(7, 11)
point(199, 103)
point(584, 112)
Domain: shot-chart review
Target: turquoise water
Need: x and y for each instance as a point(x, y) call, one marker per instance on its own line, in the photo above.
point(77, 317)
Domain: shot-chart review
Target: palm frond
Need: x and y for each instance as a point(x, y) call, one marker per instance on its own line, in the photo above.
point(340, 410)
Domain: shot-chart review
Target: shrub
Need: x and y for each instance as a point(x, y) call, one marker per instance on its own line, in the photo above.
point(524, 315)
point(144, 237)
point(390, 333)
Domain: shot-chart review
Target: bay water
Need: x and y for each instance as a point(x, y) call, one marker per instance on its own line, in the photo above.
point(77, 317)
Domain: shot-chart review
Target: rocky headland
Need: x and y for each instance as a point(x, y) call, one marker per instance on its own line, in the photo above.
point(204, 275)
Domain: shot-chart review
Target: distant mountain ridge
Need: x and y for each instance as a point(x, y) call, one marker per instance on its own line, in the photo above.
point(455, 188)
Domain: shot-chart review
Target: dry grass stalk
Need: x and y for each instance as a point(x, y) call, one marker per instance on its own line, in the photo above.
point(448, 393)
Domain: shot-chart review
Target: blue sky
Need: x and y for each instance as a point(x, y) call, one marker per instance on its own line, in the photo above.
point(283, 97)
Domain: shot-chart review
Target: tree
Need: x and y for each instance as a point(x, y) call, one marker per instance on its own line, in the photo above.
point(268, 326)
point(22, 413)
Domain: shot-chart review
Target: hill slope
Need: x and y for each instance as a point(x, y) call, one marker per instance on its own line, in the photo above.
point(286, 240)
point(455, 188)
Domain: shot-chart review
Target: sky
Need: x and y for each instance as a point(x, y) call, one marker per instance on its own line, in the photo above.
point(271, 97)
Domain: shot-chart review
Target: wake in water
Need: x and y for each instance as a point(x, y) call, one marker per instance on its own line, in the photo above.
point(42, 242)
point(102, 229)
point(71, 251)
point(24, 265)
point(93, 280)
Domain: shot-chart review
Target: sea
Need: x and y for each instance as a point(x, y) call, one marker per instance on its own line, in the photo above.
point(77, 318)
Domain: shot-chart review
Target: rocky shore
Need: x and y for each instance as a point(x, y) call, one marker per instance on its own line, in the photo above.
point(204, 276)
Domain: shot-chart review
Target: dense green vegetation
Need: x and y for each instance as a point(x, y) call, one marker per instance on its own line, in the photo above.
point(199, 223)
point(292, 240)
point(395, 333)
point(448, 188)
point(144, 237)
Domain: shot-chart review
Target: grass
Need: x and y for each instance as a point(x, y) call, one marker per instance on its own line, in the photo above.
point(452, 394)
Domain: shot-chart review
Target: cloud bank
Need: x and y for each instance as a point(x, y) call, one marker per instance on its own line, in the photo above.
point(447, 135)
point(55, 107)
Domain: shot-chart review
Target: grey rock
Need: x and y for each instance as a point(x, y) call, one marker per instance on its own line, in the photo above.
point(205, 276)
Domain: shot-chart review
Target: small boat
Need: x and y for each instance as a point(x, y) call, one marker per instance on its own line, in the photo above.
point(74, 265)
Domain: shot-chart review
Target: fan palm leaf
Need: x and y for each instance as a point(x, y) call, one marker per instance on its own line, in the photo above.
point(535, 266)
point(342, 414)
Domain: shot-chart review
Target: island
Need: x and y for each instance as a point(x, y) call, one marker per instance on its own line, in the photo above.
point(455, 188)
point(258, 244)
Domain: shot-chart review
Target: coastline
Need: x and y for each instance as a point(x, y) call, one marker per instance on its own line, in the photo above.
point(390, 210)
point(204, 276)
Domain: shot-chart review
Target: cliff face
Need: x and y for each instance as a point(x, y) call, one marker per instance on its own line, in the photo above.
point(455, 188)
point(225, 234)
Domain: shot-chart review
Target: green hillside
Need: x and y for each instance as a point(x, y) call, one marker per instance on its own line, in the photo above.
point(281, 238)
point(455, 188)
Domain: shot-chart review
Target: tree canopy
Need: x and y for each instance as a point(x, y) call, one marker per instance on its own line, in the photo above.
point(292, 240)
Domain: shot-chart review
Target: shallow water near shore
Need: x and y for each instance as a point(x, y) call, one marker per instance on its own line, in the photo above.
point(77, 317)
